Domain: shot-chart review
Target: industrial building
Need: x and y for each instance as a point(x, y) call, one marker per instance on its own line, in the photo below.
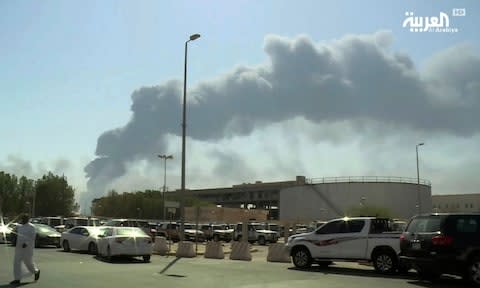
point(456, 203)
point(324, 198)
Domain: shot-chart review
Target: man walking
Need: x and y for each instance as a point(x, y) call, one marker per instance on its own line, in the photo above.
point(24, 250)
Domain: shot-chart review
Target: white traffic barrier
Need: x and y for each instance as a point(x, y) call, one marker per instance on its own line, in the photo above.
point(185, 249)
point(160, 246)
point(240, 251)
point(278, 253)
point(214, 250)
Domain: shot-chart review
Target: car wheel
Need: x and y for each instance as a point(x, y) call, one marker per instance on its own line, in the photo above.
point(385, 262)
point(216, 238)
point(301, 258)
point(92, 248)
point(474, 271)
point(261, 240)
point(66, 246)
point(146, 258)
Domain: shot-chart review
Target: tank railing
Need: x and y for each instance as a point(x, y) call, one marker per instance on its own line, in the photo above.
point(347, 179)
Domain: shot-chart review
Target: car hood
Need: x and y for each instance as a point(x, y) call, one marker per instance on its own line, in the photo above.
point(48, 234)
point(302, 235)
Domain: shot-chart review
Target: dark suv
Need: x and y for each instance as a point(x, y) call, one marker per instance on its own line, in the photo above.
point(443, 243)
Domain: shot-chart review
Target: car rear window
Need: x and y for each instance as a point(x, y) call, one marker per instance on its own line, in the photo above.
point(425, 224)
point(130, 232)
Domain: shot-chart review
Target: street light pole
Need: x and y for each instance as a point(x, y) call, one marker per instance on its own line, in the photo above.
point(184, 129)
point(419, 201)
point(165, 158)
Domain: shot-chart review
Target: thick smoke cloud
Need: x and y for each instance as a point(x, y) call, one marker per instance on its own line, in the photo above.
point(356, 78)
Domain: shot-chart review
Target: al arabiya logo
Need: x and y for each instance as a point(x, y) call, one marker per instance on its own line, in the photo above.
point(440, 24)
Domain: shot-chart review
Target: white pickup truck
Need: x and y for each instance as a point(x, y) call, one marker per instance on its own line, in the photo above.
point(348, 239)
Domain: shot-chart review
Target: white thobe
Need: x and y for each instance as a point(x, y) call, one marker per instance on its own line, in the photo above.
point(25, 235)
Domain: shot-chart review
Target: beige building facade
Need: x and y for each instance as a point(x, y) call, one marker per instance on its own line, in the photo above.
point(456, 203)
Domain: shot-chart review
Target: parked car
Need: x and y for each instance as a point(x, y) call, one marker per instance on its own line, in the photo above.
point(274, 227)
point(443, 243)
point(124, 241)
point(217, 232)
point(192, 234)
point(256, 233)
point(45, 236)
point(142, 224)
point(5, 233)
point(222, 232)
point(169, 230)
point(83, 238)
point(348, 239)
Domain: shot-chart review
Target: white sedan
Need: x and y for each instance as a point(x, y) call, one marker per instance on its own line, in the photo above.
point(125, 241)
point(83, 238)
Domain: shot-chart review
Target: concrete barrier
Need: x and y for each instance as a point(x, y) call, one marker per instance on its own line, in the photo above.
point(214, 250)
point(240, 251)
point(278, 253)
point(185, 249)
point(160, 246)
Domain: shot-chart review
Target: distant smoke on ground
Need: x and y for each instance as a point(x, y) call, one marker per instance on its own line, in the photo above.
point(356, 80)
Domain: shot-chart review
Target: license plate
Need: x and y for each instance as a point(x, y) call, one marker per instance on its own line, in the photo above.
point(416, 246)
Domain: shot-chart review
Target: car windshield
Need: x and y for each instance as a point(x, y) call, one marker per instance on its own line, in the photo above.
point(428, 224)
point(189, 226)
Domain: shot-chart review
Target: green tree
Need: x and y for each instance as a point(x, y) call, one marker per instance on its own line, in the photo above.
point(54, 196)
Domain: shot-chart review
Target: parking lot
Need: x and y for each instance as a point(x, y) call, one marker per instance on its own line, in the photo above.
point(61, 269)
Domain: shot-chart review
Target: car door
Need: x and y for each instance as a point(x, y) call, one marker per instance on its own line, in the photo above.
point(324, 241)
point(103, 240)
point(83, 239)
point(73, 238)
point(353, 241)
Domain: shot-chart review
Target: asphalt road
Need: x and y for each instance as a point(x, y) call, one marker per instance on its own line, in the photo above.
point(62, 270)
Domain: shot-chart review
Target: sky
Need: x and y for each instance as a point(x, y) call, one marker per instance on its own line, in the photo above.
point(92, 90)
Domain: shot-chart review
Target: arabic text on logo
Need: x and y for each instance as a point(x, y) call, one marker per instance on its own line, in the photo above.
point(430, 24)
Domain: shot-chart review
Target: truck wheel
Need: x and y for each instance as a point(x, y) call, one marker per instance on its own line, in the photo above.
point(261, 240)
point(301, 258)
point(474, 271)
point(385, 261)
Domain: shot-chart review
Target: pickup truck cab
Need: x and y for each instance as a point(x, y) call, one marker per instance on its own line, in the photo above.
point(348, 239)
